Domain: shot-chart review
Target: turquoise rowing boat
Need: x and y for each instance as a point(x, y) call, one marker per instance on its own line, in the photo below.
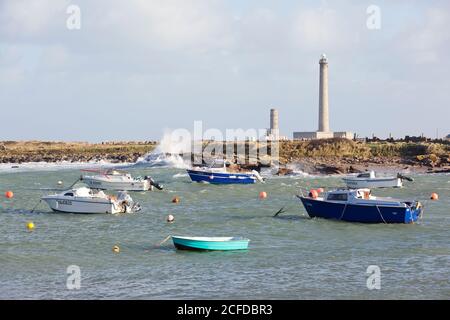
point(210, 243)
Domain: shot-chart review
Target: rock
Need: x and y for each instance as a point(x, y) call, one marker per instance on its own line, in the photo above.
point(330, 169)
point(352, 169)
point(284, 172)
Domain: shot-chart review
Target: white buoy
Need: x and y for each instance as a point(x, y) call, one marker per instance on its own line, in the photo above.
point(170, 218)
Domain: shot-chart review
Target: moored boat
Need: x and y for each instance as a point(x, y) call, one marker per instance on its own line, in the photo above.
point(114, 179)
point(370, 180)
point(358, 205)
point(210, 243)
point(218, 174)
point(85, 200)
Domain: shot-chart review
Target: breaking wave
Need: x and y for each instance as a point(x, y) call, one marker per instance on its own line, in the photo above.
point(55, 166)
point(166, 154)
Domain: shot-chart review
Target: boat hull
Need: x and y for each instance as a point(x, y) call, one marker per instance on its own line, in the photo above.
point(81, 206)
point(104, 184)
point(358, 183)
point(360, 213)
point(192, 244)
point(221, 178)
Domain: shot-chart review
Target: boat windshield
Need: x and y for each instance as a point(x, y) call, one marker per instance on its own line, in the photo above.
point(114, 172)
point(217, 164)
point(337, 197)
point(370, 174)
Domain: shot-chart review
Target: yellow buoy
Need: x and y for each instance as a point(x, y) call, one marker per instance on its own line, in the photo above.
point(30, 225)
point(116, 249)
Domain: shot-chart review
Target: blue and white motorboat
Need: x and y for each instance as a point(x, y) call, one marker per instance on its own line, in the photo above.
point(358, 205)
point(210, 243)
point(218, 174)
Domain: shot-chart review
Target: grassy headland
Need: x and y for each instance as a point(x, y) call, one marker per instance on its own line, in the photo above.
point(48, 151)
point(327, 156)
point(342, 155)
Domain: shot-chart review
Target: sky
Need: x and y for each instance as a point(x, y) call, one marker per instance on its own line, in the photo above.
point(138, 68)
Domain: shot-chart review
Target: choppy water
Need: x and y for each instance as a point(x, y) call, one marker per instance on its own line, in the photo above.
point(290, 257)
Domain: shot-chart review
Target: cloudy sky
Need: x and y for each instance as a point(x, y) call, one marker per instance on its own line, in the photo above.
point(138, 67)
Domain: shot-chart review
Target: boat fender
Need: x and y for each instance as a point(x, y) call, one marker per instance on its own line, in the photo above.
point(313, 193)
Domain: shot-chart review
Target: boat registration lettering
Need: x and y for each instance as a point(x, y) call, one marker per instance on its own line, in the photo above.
point(65, 202)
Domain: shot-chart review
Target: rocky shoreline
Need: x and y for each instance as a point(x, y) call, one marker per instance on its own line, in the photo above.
point(314, 157)
point(18, 152)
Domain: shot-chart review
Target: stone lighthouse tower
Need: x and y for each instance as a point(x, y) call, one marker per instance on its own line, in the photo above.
point(324, 124)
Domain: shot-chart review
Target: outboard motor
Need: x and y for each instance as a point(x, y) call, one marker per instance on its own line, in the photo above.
point(399, 175)
point(258, 176)
point(154, 183)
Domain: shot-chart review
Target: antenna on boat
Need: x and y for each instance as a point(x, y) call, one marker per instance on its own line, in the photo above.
point(76, 181)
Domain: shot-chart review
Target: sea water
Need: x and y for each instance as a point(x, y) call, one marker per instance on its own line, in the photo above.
point(290, 256)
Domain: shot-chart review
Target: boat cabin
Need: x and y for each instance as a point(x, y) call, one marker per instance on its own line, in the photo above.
point(369, 175)
point(347, 195)
point(83, 192)
point(361, 196)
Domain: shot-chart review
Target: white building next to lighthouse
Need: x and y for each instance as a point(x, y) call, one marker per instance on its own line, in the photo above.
point(323, 131)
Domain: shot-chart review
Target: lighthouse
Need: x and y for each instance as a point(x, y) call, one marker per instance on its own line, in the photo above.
point(323, 131)
point(324, 123)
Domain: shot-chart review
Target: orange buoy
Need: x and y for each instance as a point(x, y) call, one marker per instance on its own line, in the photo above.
point(434, 196)
point(313, 193)
point(320, 190)
point(9, 194)
point(263, 195)
point(170, 218)
point(176, 199)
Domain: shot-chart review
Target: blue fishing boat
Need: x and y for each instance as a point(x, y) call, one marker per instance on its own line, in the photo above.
point(210, 243)
point(218, 174)
point(358, 205)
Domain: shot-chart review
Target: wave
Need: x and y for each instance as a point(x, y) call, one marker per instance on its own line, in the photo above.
point(180, 175)
point(166, 154)
point(55, 166)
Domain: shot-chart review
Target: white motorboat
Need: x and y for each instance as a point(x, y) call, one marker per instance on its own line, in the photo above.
point(114, 179)
point(370, 180)
point(85, 200)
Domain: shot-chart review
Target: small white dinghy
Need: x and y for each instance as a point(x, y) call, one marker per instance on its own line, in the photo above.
point(114, 179)
point(369, 180)
point(85, 200)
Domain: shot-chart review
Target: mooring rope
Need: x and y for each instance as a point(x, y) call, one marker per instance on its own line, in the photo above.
point(343, 211)
point(381, 214)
